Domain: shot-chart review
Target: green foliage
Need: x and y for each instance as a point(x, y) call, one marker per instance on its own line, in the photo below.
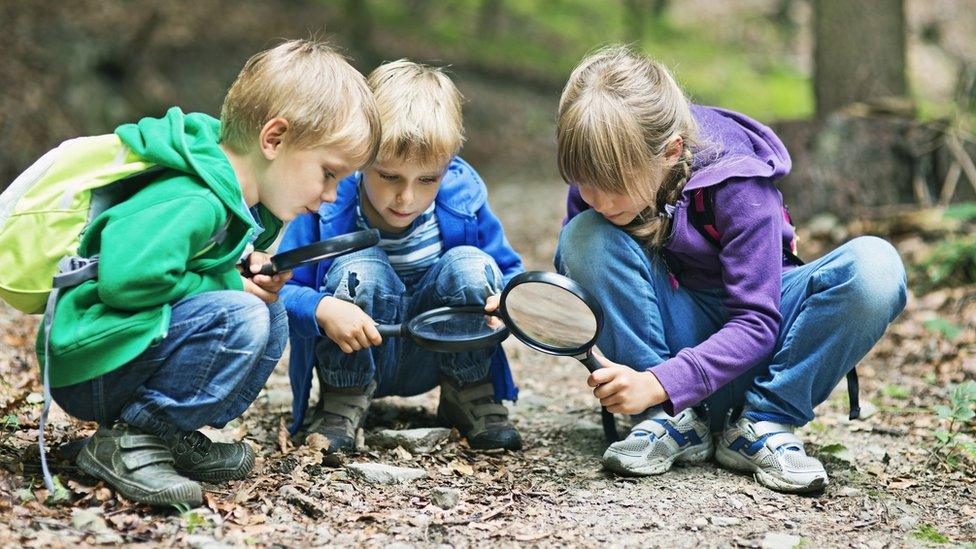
point(955, 448)
point(60, 495)
point(927, 532)
point(943, 327)
point(191, 519)
point(953, 261)
point(545, 40)
point(896, 391)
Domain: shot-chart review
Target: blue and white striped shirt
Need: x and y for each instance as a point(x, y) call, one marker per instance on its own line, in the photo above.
point(414, 251)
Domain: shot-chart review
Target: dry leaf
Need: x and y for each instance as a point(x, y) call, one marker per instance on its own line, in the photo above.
point(284, 441)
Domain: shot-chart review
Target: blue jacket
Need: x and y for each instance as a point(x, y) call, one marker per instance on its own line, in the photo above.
point(464, 219)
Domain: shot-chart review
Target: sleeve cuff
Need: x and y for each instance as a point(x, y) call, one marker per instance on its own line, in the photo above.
point(301, 303)
point(684, 382)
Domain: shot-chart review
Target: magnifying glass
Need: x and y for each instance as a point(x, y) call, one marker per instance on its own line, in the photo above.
point(554, 315)
point(450, 329)
point(317, 251)
point(546, 311)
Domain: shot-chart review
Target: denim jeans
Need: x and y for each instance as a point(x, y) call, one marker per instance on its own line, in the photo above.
point(219, 351)
point(834, 310)
point(464, 275)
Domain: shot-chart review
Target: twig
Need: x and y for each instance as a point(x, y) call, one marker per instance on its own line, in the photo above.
point(957, 150)
point(949, 185)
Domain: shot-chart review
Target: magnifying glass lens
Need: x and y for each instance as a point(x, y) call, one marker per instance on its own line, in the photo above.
point(551, 316)
point(453, 326)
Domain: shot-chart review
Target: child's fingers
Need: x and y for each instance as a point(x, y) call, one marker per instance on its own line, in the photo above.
point(606, 390)
point(373, 335)
point(362, 339)
point(601, 376)
point(492, 303)
point(612, 400)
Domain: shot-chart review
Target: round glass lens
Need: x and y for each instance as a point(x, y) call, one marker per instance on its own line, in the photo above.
point(456, 326)
point(550, 315)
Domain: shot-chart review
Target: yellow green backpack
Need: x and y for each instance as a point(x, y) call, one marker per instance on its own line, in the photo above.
point(43, 215)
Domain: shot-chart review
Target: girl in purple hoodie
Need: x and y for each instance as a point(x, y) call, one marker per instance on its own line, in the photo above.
point(718, 331)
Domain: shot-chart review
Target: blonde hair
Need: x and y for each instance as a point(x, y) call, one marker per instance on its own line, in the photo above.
point(325, 100)
point(618, 114)
point(420, 109)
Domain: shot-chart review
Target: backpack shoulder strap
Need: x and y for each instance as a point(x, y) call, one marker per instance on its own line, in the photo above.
point(702, 214)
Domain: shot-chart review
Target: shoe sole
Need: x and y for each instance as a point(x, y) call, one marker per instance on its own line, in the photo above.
point(224, 475)
point(630, 465)
point(187, 493)
point(733, 460)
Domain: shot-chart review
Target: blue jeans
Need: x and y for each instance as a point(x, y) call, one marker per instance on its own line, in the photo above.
point(464, 275)
point(219, 351)
point(834, 310)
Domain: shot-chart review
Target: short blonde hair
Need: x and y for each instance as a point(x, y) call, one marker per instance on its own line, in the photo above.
point(325, 100)
point(618, 113)
point(420, 110)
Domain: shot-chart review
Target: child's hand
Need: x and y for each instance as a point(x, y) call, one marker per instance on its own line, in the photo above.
point(491, 305)
point(623, 390)
point(264, 286)
point(347, 325)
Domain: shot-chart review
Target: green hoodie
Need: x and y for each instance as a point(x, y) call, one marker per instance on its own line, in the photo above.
point(150, 249)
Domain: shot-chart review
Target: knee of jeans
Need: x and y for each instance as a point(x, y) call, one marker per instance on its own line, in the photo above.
point(878, 276)
point(468, 275)
point(246, 320)
point(587, 242)
point(362, 277)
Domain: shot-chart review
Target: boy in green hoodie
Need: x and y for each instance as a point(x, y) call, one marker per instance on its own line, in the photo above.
point(170, 336)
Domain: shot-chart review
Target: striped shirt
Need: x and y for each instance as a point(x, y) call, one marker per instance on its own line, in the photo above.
point(414, 251)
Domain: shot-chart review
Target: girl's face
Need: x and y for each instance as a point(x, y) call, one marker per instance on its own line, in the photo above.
point(619, 209)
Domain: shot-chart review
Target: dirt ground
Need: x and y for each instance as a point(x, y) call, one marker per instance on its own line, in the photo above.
point(885, 487)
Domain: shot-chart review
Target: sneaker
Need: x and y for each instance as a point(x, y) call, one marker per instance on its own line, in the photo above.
point(657, 443)
point(339, 414)
point(200, 458)
point(472, 408)
point(773, 453)
point(137, 465)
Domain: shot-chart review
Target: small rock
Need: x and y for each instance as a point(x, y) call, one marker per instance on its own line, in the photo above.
point(445, 498)
point(279, 398)
point(416, 441)
point(203, 541)
point(778, 540)
point(700, 522)
point(735, 503)
point(532, 400)
point(849, 492)
point(868, 409)
point(88, 519)
point(823, 225)
point(35, 398)
point(378, 473)
point(907, 522)
point(725, 521)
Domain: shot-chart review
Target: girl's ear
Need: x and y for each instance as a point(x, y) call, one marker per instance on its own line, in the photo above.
point(672, 154)
point(272, 136)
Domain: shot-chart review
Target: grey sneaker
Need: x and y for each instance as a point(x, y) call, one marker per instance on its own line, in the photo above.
point(138, 465)
point(338, 415)
point(773, 453)
point(477, 415)
point(200, 458)
point(657, 443)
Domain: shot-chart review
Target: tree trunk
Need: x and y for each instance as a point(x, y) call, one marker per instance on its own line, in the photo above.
point(860, 52)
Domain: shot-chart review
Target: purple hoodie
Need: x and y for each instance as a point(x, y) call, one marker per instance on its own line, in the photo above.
point(741, 158)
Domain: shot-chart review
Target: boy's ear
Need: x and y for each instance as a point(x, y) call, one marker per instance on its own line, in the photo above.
point(272, 136)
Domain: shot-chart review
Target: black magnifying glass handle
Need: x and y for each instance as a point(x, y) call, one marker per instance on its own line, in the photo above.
point(390, 330)
point(266, 269)
point(606, 418)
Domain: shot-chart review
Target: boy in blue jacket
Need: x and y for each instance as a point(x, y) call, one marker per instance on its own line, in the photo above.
point(440, 245)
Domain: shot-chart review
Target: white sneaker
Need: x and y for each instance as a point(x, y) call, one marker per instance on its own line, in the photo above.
point(773, 453)
point(656, 444)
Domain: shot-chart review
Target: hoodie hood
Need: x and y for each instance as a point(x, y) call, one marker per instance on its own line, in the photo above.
point(188, 143)
point(734, 146)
